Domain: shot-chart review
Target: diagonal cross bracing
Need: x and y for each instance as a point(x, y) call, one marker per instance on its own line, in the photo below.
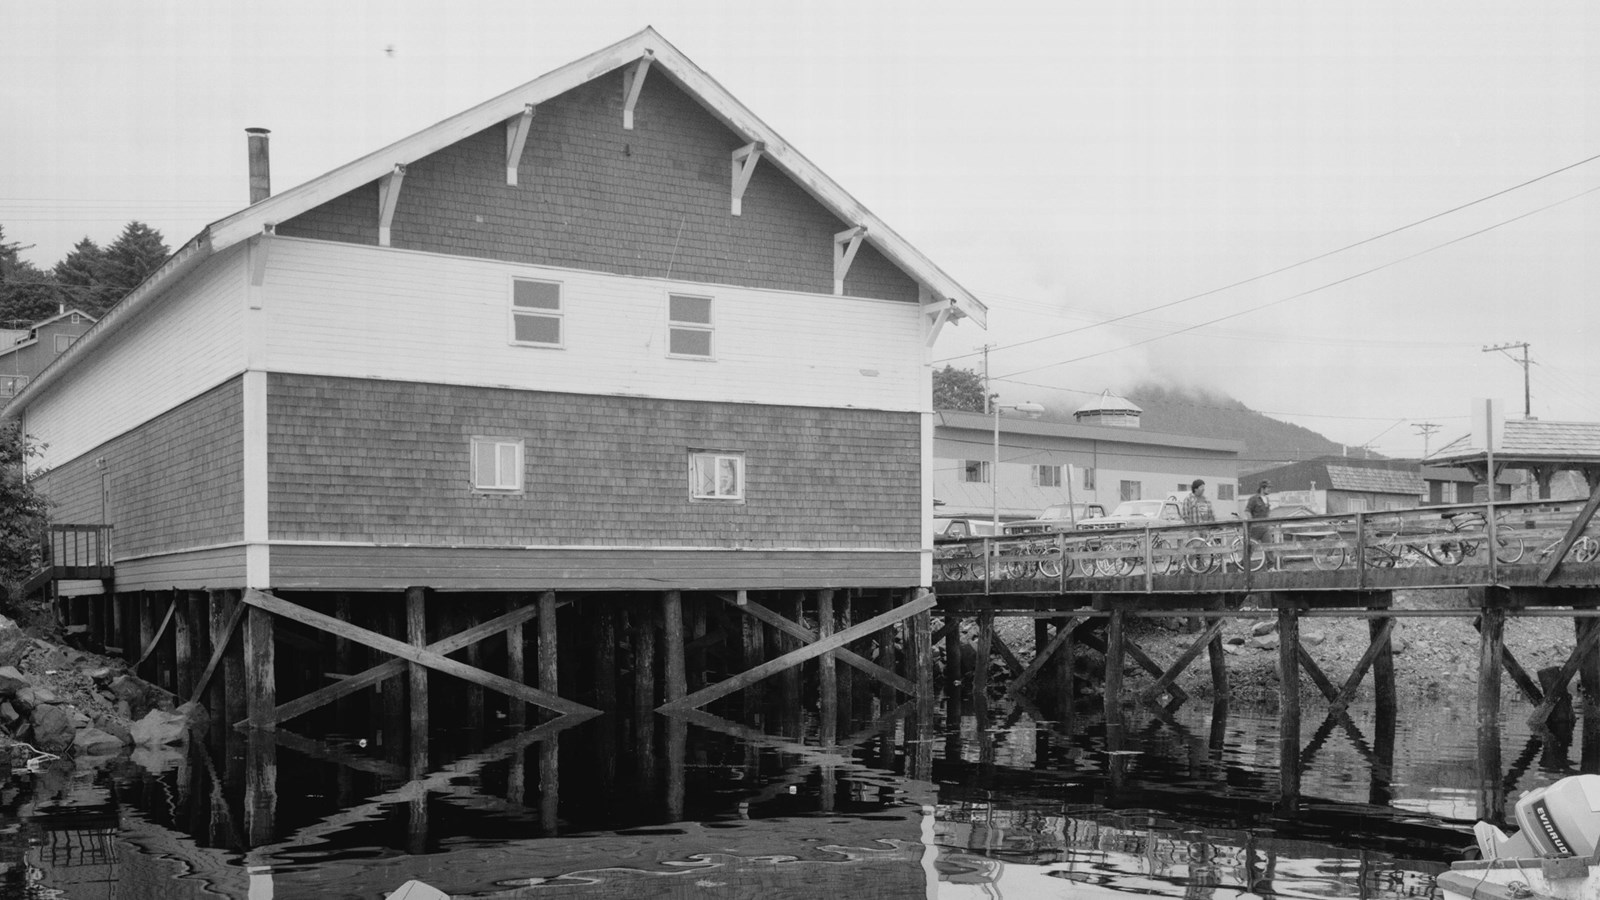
point(422, 656)
point(795, 657)
point(847, 656)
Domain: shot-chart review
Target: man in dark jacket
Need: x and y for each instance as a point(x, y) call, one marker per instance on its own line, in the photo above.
point(1259, 507)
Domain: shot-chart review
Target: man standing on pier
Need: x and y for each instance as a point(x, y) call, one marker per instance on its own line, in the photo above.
point(1259, 507)
point(1196, 508)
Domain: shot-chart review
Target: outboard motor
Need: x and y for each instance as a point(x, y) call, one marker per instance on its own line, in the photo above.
point(1560, 820)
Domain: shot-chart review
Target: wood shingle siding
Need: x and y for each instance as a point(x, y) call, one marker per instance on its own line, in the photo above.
point(648, 202)
point(171, 483)
point(362, 460)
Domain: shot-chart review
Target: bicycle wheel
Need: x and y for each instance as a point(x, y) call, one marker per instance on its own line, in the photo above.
point(1050, 565)
point(955, 570)
point(1447, 553)
point(1510, 549)
point(1124, 562)
point(1198, 556)
point(1585, 549)
point(1165, 556)
point(1327, 558)
point(1236, 555)
point(1382, 553)
point(1087, 565)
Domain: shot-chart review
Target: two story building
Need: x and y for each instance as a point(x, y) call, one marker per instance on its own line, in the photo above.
point(27, 352)
point(605, 332)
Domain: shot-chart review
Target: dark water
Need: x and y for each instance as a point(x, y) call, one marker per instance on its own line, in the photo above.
point(745, 805)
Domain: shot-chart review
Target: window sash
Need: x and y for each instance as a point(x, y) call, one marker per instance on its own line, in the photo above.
point(496, 464)
point(717, 476)
point(537, 313)
point(690, 326)
point(977, 471)
point(1047, 476)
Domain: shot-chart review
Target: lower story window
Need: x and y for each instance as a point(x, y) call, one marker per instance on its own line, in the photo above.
point(496, 464)
point(716, 475)
point(1224, 492)
point(976, 471)
point(1131, 490)
point(1088, 478)
point(1047, 476)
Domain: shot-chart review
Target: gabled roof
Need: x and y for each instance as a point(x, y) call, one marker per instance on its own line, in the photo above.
point(666, 60)
point(31, 334)
point(1531, 440)
point(1339, 473)
point(950, 418)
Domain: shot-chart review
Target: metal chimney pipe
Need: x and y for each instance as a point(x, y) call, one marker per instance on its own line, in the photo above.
point(260, 165)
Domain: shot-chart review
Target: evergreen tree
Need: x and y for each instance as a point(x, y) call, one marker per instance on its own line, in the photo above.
point(26, 294)
point(81, 274)
point(22, 509)
point(129, 260)
point(957, 389)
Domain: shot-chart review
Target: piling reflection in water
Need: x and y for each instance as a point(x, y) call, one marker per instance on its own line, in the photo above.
point(980, 800)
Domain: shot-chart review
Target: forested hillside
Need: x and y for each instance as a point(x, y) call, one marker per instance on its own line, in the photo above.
point(1267, 441)
point(90, 278)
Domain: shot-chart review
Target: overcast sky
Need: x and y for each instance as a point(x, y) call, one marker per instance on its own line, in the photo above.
point(1185, 165)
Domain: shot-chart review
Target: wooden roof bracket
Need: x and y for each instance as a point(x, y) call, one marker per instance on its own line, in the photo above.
point(388, 196)
point(632, 84)
point(260, 250)
point(845, 245)
point(744, 165)
point(516, 136)
point(938, 309)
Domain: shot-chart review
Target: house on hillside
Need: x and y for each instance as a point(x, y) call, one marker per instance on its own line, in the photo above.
point(27, 352)
point(606, 332)
point(1046, 463)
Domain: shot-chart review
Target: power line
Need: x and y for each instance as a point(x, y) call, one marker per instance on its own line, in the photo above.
point(1310, 291)
point(1302, 262)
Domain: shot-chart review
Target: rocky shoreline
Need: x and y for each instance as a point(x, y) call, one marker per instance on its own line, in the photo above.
point(57, 701)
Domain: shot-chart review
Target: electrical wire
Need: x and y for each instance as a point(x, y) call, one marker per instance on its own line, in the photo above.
point(1303, 262)
point(1308, 292)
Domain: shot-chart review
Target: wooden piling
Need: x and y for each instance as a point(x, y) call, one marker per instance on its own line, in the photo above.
point(516, 670)
point(261, 674)
point(549, 673)
point(1491, 793)
point(980, 670)
point(1116, 646)
point(416, 613)
point(828, 673)
point(182, 646)
point(644, 696)
point(675, 673)
point(467, 614)
point(843, 609)
point(233, 666)
point(1066, 677)
point(1289, 707)
point(1384, 698)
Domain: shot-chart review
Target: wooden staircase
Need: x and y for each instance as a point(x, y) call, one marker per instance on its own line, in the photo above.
point(72, 553)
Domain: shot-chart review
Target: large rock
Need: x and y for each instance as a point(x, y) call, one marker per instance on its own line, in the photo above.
point(11, 681)
point(159, 728)
point(95, 742)
point(52, 728)
point(14, 643)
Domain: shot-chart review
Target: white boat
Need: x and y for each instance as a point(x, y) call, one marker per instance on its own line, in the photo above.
point(1553, 856)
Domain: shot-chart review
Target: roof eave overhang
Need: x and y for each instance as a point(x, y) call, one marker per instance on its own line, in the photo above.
point(667, 60)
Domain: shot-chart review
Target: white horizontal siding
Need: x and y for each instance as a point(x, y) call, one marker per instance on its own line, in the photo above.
point(347, 310)
point(184, 344)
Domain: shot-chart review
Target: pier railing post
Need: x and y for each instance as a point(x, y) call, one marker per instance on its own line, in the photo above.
point(1491, 793)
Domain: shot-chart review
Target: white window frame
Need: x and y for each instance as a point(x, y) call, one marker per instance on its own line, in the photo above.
point(708, 327)
point(507, 477)
point(63, 341)
point(1046, 475)
point(12, 385)
point(717, 458)
point(985, 471)
point(1088, 478)
point(558, 314)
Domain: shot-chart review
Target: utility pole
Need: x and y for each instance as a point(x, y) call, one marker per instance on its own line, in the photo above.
point(1426, 429)
point(1527, 396)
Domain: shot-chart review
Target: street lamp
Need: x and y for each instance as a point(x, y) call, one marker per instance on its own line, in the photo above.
point(1028, 408)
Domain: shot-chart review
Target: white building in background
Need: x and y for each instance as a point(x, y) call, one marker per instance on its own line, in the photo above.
point(1044, 463)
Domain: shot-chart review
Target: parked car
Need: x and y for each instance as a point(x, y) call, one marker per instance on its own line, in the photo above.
point(1061, 517)
point(1138, 514)
point(954, 528)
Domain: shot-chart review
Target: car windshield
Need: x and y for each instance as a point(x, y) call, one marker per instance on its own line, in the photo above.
point(1060, 511)
point(1148, 509)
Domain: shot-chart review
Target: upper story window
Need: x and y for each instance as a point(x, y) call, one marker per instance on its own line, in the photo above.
point(497, 464)
point(689, 326)
point(716, 475)
point(536, 313)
